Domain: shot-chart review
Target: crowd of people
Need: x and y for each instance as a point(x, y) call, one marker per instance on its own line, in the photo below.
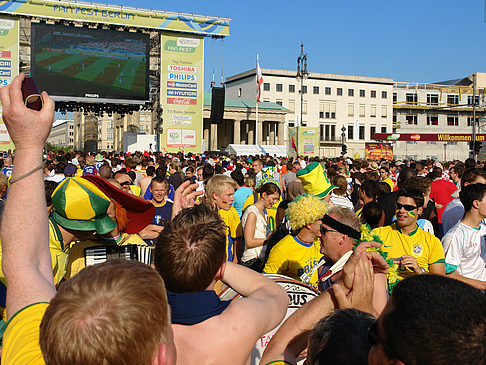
point(117, 258)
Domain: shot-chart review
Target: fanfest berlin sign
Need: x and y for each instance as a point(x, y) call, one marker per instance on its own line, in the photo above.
point(440, 137)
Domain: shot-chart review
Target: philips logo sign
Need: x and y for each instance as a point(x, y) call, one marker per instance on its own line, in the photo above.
point(182, 77)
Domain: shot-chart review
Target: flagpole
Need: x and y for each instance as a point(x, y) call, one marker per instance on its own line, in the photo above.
point(257, 99)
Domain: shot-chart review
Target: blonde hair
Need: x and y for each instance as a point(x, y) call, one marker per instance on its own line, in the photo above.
point(90, 160)
point(216, 184)
point(306, 208)
point(111, 313)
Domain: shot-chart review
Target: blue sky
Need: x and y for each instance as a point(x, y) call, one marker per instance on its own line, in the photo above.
point(415, 40)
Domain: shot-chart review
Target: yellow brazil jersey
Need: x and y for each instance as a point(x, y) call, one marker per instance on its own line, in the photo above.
point(21, 338)
point(271, 213)
point(424, 246)
point(233, 230)
point(292, 257)
point(59, 254)
point(76, 254)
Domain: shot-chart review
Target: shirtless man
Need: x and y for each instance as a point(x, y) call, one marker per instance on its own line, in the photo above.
point(191, 257)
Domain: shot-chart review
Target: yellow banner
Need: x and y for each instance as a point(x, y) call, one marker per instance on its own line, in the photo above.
point(305, 140)
point(9, 65)
point(112, 14)
point(181, 93)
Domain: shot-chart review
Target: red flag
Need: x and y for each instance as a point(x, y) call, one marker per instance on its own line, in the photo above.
point(259, 80)
point(293, 145)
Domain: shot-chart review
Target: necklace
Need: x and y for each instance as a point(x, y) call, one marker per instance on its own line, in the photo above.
point(304, 240)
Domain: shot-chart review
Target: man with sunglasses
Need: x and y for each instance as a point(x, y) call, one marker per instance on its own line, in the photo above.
point(416, 251)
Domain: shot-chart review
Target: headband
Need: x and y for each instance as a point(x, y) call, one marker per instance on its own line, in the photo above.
point(341, 228)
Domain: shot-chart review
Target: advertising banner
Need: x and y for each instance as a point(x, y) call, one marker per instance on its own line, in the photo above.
point(112, 14)
point(377, 151)
point(9, 65)
point(439, 137)
point(181, 92)
point(303, 139)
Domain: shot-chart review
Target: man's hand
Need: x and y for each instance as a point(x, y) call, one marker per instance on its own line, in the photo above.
point(184, 197)
point(411, 263)
point(28, 128)
point(357, 285)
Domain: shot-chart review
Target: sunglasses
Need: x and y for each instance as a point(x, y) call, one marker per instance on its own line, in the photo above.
point(407, 207)
point(324, 230)
point(374, 338)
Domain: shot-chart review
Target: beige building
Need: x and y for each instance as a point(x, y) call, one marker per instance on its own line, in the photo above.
point(62, 133)
point(107, 130)
point(445, 107)
point(362, 105)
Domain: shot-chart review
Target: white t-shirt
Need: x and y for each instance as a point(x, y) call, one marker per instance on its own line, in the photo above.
point(260, 232)
point(462, 247)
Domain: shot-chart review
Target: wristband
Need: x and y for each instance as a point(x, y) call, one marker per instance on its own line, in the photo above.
point(28, 174)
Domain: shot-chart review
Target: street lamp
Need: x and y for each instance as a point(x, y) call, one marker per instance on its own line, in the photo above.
point(301, 75)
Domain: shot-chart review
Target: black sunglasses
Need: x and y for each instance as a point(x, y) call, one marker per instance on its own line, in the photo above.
point(407, 207)
point(324, 230)
point(374, 338)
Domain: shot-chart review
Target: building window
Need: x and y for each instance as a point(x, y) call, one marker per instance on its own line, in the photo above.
point(384, 95)
point(432, 99)
point(384, 111)
point(279, 87)
point(470, 100)
point(333, 132)
point(452, 121)
point(315, 90)
point(326, 134)
point(71, 140)
point(432, 120)
point(362, 111)
point(71, 127)
point(239, 92)
point(350, 92)
point(110, 136)
point(304, 89)
point(350, 110)
point(279, 102)
point(71, 133)
point(266, 100)
point(266, 86)
point(291, 124)
point(383, 129)
point(327, 90)
point(361, 132)
point(291, 106)
point(394, 97)
point(452, 99)
point(362, 93)
point(411, 119)
point(291, 88)
point(339, 91)
point(350, 131)
point(373, 111)
point(411, 98)
point(470, 119)
point(373, 93)
point(372, 132)
point(321, 132)
point(304, 107)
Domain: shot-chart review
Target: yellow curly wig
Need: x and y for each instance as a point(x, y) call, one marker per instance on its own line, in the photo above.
point(306, 208)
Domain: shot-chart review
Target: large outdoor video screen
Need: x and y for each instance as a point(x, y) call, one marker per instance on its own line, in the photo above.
point(90, 65)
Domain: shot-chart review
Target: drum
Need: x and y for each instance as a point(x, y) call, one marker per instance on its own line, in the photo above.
point(299, 294)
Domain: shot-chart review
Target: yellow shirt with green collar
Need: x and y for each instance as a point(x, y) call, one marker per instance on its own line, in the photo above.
point(21, 338)
point(424, 246)
point(292, 257)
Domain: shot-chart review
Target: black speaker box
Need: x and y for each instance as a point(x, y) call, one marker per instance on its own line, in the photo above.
point(217, 105)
